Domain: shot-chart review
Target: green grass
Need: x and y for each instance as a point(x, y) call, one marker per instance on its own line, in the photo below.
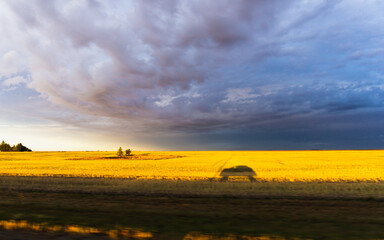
point(174, 217)
point(355, 190)
point(172, 208)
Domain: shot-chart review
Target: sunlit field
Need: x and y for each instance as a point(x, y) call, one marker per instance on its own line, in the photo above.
point(182, 195)
point(290, 166)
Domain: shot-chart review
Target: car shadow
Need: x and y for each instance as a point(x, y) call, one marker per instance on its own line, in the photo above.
point(238, 171)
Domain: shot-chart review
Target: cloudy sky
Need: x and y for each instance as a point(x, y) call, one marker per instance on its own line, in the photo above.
point(192, 74)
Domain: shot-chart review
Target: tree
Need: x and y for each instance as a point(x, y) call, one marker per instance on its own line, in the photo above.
point(128, 152)
point(20, 148)
point(119, 153)
point(5, 147)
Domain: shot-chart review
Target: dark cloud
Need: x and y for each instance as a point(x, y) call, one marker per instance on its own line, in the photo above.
point(195, 66)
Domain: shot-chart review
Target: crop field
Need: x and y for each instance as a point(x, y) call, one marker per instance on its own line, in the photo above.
point(280, 166)
point(181, 195)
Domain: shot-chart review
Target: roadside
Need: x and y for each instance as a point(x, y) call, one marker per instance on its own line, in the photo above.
point(175, 217)
point(183, 188)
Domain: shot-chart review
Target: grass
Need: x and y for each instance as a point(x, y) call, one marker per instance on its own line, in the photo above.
point(175, 218)
point(242, 189)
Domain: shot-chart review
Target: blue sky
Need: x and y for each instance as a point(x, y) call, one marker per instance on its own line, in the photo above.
point(196, 74)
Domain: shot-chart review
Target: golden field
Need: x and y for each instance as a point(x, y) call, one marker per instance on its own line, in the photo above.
point(290, 166)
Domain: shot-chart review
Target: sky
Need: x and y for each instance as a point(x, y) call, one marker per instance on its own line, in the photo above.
point(192, 74)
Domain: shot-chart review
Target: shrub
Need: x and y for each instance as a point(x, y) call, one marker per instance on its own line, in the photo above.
point(119, 153)
point(128, 152)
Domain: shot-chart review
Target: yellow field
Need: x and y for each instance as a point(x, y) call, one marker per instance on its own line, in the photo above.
point(269, 165)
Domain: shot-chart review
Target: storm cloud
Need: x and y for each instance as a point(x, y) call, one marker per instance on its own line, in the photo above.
point(196, 66)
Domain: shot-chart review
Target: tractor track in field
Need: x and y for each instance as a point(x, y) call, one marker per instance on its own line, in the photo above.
point(222, 166)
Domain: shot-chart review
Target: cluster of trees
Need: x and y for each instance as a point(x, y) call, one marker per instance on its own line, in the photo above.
point(122, 154)
point(5, 147)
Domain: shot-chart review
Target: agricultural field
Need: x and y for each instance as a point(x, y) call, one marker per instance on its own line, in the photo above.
point(281, 166)
point(181, 195)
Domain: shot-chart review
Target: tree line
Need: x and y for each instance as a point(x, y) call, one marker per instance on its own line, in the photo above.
point(5, 147)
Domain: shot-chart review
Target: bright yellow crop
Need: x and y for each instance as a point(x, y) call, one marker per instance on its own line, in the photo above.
point(268, 165)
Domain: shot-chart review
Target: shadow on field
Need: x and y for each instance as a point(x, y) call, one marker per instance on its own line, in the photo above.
point(238, 171)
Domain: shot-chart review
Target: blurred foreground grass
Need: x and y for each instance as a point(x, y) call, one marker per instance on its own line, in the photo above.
point(186, 218)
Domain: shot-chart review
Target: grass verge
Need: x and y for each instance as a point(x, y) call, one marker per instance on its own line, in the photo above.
point(302, 190)
point(174, 217)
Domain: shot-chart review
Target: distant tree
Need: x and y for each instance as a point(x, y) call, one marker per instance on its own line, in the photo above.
point(5, 147)
point(21, 148)
point(128, 152)
point(120, 153)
